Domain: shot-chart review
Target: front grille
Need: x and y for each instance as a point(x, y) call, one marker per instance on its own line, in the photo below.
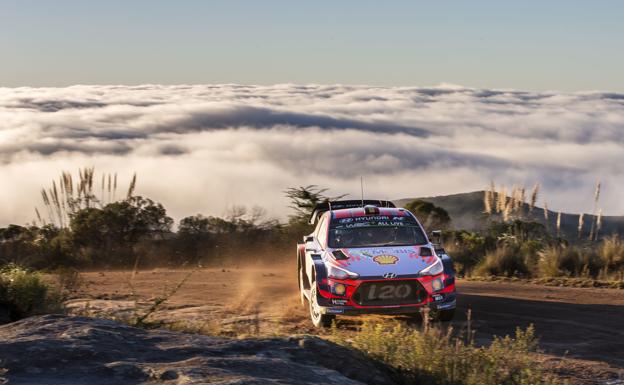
point(387, 293)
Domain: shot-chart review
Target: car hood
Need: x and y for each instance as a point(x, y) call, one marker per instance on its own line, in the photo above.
point(376, 261)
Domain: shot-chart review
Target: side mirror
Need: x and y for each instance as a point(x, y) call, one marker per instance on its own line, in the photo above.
point(436, 237)
point(308, 240)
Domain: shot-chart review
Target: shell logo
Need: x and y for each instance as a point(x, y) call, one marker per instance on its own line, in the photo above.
point(385, 259)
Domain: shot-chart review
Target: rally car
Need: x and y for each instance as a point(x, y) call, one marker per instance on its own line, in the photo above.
point(368, 256)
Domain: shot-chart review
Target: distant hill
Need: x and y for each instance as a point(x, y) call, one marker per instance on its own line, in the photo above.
point(466, 211)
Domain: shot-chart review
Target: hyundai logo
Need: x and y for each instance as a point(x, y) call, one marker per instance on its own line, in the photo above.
point(389, 275)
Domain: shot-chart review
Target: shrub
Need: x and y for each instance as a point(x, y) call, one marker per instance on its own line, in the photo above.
point(611, 253)
point(557, 261)
point(23, 293)
point(530, 251)
point(507, 260)
point(433, 356)
point(465, 248)
point(548, 263)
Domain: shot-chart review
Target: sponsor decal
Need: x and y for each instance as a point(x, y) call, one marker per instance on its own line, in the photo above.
point(401, 250)
point(378, 220)
point(380, 257)
point(389, 275)
point(437, 297)
point(339, 301)
point(386, 259)
point(380, 223)
point(340, 289)
point(335, 311)
point(446, 305)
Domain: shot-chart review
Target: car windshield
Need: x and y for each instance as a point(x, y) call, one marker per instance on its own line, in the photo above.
point(376, 236)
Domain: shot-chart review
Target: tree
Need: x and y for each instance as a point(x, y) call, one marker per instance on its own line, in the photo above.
point(194, 240)
point(194, 225)
point(18, 245)
point(430, 216)
point(303, 199)
point(35, 247)
point(108, 235)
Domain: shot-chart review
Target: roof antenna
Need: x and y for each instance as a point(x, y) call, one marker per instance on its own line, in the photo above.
point(362, 188)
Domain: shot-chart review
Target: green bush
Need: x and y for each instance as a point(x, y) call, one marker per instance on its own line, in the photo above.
point(23, 293)
point(433, 356)
point(466, 249)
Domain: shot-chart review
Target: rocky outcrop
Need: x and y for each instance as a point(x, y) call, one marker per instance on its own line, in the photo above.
point(55, 349)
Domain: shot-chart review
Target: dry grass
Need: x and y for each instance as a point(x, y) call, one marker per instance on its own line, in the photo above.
point(506, 260)
point(65, 198)
point(508, 207)
point(611, 253)
point(69, 280)
point(554, 281)
point(433, 355)
point(534, 196)
point(605, 262)
point(158, 302)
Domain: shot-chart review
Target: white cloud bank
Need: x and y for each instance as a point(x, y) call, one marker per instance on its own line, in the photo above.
point(204, 148)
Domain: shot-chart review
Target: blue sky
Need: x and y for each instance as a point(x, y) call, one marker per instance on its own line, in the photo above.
point(537, 45)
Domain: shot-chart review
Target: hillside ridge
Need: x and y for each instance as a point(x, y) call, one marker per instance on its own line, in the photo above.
point(467, 212)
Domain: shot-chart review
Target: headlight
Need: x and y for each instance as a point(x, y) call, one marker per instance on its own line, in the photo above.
point(435, 269)
point(437, 285)
point(338, 273)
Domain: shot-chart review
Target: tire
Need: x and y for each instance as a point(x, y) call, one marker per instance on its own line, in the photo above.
point(443, 315)
point(318, 320)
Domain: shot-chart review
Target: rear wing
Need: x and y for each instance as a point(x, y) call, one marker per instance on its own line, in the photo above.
point(320, 208)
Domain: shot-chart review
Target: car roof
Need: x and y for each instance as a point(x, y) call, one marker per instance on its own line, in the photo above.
point(361, 212)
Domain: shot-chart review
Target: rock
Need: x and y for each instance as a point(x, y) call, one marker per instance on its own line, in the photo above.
point(90, 351)
point(126, 370)
point(168, 375)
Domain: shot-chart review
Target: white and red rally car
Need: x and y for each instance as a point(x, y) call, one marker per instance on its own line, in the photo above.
point(370, 257)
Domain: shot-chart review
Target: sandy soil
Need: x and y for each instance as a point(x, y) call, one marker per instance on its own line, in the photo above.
point(580, 323)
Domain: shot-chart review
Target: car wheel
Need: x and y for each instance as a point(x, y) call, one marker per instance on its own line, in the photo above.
point(318, 319)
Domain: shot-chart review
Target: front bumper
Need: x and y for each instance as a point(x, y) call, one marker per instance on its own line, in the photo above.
point(439, 301)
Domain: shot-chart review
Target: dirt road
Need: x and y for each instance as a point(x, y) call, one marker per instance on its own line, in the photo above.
point(576, 322)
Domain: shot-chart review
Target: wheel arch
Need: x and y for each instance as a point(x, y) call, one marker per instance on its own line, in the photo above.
point(319, 272)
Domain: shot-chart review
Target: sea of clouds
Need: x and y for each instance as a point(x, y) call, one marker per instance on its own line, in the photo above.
point(204, 148)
